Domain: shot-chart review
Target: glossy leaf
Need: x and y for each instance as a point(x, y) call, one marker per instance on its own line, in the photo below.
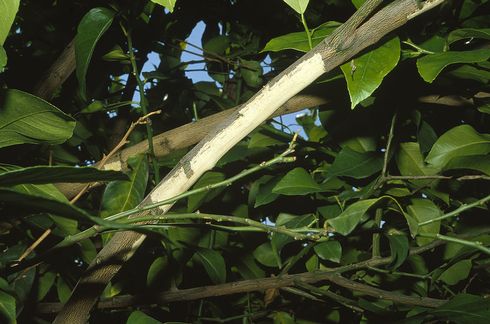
point(169, 4)
point(27, 119)
point(465, 309)
point(265, 195)
point(329, 250)
point(7, 307)
point(122, 195)
point(138, 317)
point(8, 8)
point(299, 41)
point(209, 178)
point(53, 174)
point(351, 216)
point(431, 65)
point(298, 5)
point(479, 163)
point(41, 204)
point(3, 58)
point(91, 28)
point(156, 269)
point(353, 164)
point(278, 240)
point(422, 210)
point(296, 182)
point(465, 33)
point(459, 141)
point(398, 249)
point(410, 161)
point(457, 272)
point(266, 255)
point(213, 263)
point(365, 73)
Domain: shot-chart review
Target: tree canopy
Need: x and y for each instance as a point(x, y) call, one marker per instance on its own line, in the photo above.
point(364, 198)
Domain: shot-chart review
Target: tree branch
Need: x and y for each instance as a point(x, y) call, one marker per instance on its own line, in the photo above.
point(336, 49)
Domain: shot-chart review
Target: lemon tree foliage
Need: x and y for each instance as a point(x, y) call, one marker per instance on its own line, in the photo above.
point(381, 213)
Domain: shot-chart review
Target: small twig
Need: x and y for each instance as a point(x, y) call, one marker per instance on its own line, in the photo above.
point(384, 173)
point(437, 177)
point(124, 140)
point(473, 244)
point(457, 211)
point(34, 245)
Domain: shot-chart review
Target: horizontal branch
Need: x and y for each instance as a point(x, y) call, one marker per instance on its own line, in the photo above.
point(262, 284)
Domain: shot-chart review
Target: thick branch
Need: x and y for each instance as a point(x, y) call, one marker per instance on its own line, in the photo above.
point(329, 54)
point(262, 284)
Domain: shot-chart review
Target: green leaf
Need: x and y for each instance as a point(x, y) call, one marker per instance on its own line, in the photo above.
point(169, 4)
point(122, 195)
point(63, 290)
point(8, 8)
point(351, 216)
point(457, 272)
point(209, 178)
point(422, 210)
point(7, 306)
point(279, 240)
point(138, 317)
point(214, 264)
point(299, 41)
point(46, 281)
point(41, 204)
point(329, 250)
point(365, 73)
point(399, 249)
point(470, 72)
point(27, 119)
point(251, 72)
point(91, 28)
point(474, 162)
point(53, 174)
point(465, 309)
point(296, 182)
point(266, 255)
point(265, 194)
point(116, 55)
point(464, 33)
point(156, 270)
point(249, 269)
point(298, 5)
point(431, 65)
point(410, 161)
point(3, 58)
point(353, 164)
point(459, 141)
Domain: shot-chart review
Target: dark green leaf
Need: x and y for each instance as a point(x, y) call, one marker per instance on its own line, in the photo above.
point(465, 309)
point(365, 73)
point(330, 250)
point(473, 162)
point(278, 240)
point(457, 272)
point(399, 249)
point(209, 178)
point(123, 195)
point(459, 141)
point(422, 210)
point(214, 264)
point(251, 72)
point(8, 8)
point(471, 73)
point(155, 271)
point(464, 33)
point(3, 58)
point(39, 204)
point(351, 216)
point(249, 269)
point(26, 119)
point(138, 317)
point(47, 174)
point(265, 194)
point(296, 182)
point(7, 307)
point(266, 255)
point(91, 28)
point(46, 281)
point(353, 164)
point(431, 65)
point(63, 290)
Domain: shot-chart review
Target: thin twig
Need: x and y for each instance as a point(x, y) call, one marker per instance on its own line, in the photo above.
point(473, 244)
